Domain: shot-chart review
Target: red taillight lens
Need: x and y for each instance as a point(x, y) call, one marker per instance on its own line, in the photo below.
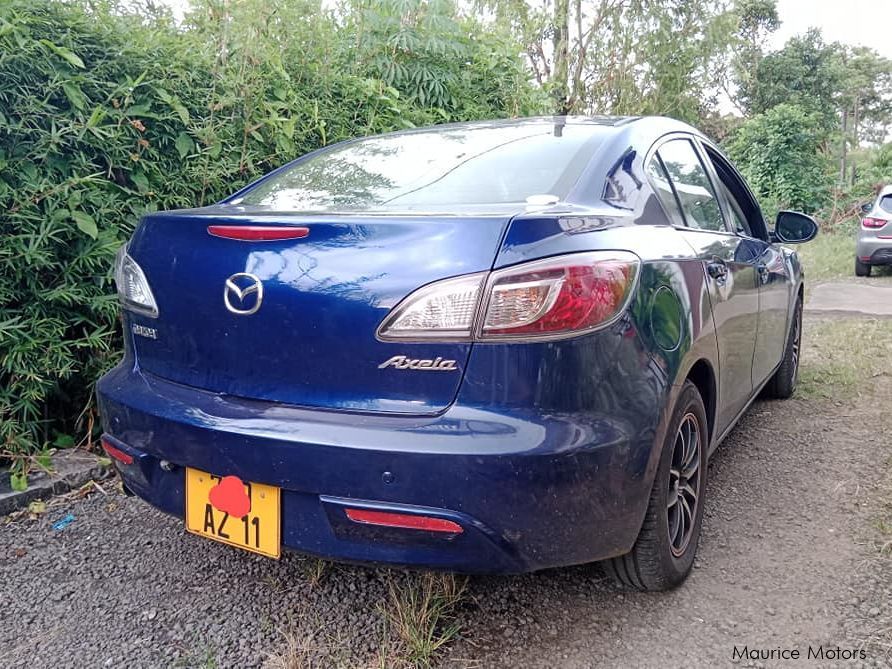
point(564, 295)
point(116, 453)
point(403, 521)
point(869, 222)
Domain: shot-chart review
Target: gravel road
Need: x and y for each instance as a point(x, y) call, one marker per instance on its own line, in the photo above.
point(787, 561)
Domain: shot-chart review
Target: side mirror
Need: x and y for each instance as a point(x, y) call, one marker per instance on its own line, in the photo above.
point(793, 227)
point(866, 207)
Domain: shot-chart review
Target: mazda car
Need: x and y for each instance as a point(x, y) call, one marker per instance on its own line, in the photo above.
point(488, 347)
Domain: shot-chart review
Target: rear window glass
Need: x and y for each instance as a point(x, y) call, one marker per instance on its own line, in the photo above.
point(489, 164)
point(886, 203)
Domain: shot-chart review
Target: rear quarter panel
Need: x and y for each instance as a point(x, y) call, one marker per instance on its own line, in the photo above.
point(622, 380)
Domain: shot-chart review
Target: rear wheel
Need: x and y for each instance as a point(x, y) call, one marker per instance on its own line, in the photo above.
point(862, 268)
point(783, 383)
point(664, 552)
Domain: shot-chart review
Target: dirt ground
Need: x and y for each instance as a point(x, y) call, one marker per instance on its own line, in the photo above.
point(791, 557)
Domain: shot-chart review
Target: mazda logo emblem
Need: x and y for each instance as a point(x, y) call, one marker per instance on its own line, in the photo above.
point(243, 294)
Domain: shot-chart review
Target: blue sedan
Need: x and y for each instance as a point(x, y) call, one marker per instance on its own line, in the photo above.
point(489, 347)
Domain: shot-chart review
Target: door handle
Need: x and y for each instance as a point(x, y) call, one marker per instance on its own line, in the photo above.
point(718, 270)
point(764, 274)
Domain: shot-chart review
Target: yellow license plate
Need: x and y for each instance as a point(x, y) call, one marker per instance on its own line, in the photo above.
point(241, 514)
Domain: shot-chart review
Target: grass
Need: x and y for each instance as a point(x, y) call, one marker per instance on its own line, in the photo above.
point(315, 571)
point(828, 256)
point(418, 617)
point(841, 356)
point(420, 613)
point(202, 657)
point(831, 256)
point(309, 642)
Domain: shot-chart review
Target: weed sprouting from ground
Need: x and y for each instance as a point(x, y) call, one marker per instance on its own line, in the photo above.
point(420, 613)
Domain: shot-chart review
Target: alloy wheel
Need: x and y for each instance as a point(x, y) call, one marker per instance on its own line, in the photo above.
point(684, 484)
point(797, 341)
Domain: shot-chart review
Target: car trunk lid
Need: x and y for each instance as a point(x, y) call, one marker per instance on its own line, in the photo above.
point(311, 341)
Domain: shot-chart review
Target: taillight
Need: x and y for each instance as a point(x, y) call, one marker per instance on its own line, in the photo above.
point(869, 222)
point(441, 310)
point(564, 295)
point(134, 292)
point(561, 296)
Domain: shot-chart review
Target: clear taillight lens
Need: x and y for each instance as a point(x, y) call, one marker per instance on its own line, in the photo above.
point(133, 289)
point(556, 297)
point(869, 222)
point(442, 310)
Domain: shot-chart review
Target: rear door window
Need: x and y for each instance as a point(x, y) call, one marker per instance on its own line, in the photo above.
point(663, 188)
point(738, 220)
point(746, 216)
point(693, 188)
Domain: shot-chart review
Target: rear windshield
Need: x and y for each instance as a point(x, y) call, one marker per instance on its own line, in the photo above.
point(886, 203)
point(436, 169)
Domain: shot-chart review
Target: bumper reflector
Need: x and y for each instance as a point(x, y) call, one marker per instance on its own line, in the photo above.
point(403, 520)
point(117, 453)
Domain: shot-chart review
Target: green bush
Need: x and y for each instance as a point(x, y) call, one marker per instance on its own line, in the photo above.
point(106, 114)
point(779, 152)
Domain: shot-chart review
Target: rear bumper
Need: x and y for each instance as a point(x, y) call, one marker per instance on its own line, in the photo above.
point(874, 250)
point(530, 491)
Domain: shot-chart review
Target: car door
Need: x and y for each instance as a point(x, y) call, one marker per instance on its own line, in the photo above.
point(774, 278)
point(728, 263)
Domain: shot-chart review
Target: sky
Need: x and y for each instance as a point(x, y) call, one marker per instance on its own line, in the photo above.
point(855, 22)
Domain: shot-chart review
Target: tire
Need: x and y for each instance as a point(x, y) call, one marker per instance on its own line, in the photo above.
point(783, 383)
point(661, 559)
point(862, 268)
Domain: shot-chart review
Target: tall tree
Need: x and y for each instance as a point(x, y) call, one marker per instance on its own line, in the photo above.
point(807, 72)
point(867, 94)
point(622, 56)
point(757, 19)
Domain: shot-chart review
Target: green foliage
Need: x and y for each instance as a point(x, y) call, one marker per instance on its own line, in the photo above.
point(106, 114)
point(609, 57)
point(435, 57)
point(846, 93)
point(806, 72)
point(778, 153)
point(867, 94)
point(873, 170)
point(756, 20)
